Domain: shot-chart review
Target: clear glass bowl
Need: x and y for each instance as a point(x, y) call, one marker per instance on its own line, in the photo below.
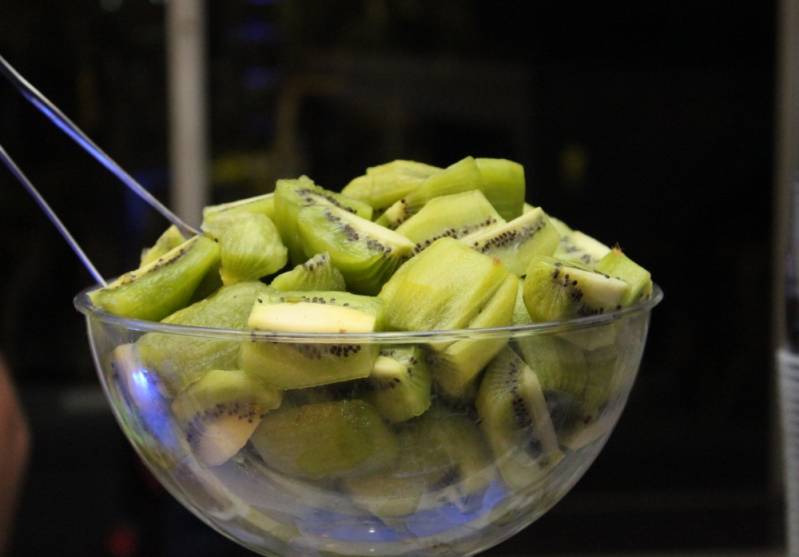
point(466, 482)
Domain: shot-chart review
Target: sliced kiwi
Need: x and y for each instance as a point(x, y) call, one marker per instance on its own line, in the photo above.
point(250, 246)
point(555, 290)
point(400, 382)
point(395, 215)
point(261, 204)
point(580, 247)
point(515, 420)
point(181, 359)
point(220, 411)
point(367, 254)
point(503, 185)
point(455, 215)
point(318, 273)
point(326, 440)
point(293, 195)
point(457, 366)
point(562, 228)
point(289, 365)
point(383, 185)
point(170, 239)
point(520, 314)
point(618, 265)
point(461, 176)
point(443, 287)
point(577, 384)
point(515, 243)
point(162, 286)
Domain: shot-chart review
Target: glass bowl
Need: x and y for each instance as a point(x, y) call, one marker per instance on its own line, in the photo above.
point(326, 474)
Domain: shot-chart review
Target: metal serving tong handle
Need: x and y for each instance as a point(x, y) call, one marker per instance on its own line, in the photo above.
point(54, 114)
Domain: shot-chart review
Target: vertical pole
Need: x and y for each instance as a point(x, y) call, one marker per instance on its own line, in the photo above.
point(188, 130)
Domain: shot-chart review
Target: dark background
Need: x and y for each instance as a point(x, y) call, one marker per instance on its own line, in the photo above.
point(653, 128)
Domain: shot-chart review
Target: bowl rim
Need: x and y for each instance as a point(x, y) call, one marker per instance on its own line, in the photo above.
point(84, 305)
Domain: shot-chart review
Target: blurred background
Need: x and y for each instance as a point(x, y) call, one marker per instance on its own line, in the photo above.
point(651, 127)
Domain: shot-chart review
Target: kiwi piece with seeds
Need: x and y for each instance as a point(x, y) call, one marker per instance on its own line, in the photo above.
point(503, 185)
point(453, 216)
point(443, 287)
point(400, 382)
point(220, 411)
point(555, 290)
point(516, 422)
point(180, 359)
point(457, 366)
point(161, 286)
point(293, 195)
point(250, 246)
point(385, 184)
point(297, 365)
point(616, 264)
point(170, 239)
point(580, 247)
point(516, 242)
point(318, 273)
point(326, 440)
point(366, 253)
point(260, 204)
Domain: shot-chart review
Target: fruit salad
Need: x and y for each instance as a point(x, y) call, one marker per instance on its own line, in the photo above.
point(404, 247)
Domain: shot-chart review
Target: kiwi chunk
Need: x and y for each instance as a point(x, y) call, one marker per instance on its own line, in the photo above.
point(367, 254)
point(430, 468)
point(250, 246)
point(385, 184)
point(503, 185)
point(326, 440)
point(260, 204)
point(170, 239)
point(293, 195)
point(443, 287)
point(162, 286)
point(577, 384)
point(455, 215)
point(458, 365)
point(582, 248)
point(318, 273)
point(180, 359)
point(618, 265)
point(400, 383)
point(516, 421)
point(289, 365)
point(220, 411)
point(555, 290)
point(520, 314)
point(562, 228)
point(515, 243)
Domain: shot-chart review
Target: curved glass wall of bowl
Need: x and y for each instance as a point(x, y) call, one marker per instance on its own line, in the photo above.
point(327, 469)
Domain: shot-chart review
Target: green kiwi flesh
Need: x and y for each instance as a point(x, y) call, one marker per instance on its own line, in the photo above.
point(455, 216)
point(555, 290)
point(387, 183)
point(401, 383)
point(456, 367)
point(503, 185)
point(318, 273)
point(366, 253)
point(220, 411)
point(250, 246)
point(461, 176)
point(582, 248)
point(326, 440)
point(617, 264)
point(170, 239)
point(181, 360)
point(520, 314)
point(162, 286)
point(562, 228)
point(289, 365)
point(293, 195)
point(443, 287)
point(516, 242)
point(516, 422)
point(261, 204)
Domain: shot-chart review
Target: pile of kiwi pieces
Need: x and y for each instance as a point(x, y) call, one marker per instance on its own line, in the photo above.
point(404, 247)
